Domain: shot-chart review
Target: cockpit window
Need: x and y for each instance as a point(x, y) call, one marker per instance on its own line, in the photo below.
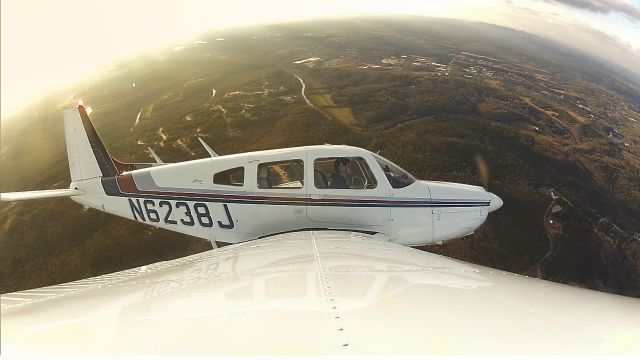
point(343, 173)
point(232, 177)
point(286, 174)
point(398, 178)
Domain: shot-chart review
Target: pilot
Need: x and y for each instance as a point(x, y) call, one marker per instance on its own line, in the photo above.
point(339, 177)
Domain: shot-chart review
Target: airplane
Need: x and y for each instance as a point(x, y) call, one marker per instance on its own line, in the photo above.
point(305, 292)
point(241, 197)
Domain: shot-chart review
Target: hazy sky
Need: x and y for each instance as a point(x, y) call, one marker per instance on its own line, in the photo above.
point(47, 44)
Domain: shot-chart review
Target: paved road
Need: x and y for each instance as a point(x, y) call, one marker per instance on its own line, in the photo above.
point(554, 240)
point(304, 86)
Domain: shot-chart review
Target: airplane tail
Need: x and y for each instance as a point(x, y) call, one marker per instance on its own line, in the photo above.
point(88, 158)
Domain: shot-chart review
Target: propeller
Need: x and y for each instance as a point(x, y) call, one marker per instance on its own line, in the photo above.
point(483, 169)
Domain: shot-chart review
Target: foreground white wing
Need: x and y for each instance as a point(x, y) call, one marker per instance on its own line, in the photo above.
point(317, 292)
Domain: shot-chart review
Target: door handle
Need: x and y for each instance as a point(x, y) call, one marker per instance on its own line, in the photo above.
point(317, 196)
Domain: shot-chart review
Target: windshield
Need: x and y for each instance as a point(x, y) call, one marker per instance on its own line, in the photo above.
point(398, 178)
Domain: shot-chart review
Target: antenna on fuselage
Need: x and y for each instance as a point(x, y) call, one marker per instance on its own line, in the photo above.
point(155, 156)
point(208, 148)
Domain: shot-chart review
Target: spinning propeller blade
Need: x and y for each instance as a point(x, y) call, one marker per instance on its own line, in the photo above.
point(483, 169)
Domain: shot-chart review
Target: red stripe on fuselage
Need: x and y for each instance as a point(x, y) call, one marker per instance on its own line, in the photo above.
point(127, 185)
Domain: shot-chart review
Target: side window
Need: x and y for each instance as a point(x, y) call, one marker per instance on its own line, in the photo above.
point(232, 177)
point(343, 173)
point(287, 174)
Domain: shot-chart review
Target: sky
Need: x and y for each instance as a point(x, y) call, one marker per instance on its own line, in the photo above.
point(49, 44)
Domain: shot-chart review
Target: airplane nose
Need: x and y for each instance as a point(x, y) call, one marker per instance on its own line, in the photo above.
point(496, 202)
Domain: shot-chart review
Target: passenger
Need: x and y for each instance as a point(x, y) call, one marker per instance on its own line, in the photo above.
point(263, 178)
point(339, 177)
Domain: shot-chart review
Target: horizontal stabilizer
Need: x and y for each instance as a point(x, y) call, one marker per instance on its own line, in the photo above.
point(39, 194)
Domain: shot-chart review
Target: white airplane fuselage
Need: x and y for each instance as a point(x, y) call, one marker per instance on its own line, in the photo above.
point(182, 197)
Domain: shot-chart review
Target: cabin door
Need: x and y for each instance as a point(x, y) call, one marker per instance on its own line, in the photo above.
point(344, 191)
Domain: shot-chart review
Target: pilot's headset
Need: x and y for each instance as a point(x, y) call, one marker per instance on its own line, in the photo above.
point(340, 165)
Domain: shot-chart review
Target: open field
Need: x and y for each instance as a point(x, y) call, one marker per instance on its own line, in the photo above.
point(321, 99)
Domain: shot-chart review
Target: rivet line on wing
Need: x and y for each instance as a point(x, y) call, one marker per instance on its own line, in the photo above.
point(334, 320)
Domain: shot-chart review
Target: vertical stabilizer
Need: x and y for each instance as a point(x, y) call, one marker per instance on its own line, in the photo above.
point(88, 158)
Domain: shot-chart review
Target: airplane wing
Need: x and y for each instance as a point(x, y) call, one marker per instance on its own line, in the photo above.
point(39, 194)
point(317, 292)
